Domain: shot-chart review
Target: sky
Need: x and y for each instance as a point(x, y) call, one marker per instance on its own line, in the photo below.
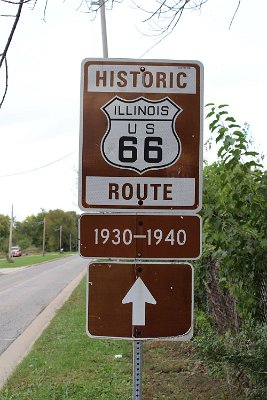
point(39, 120)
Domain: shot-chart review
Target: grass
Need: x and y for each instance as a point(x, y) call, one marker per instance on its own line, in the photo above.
point(65, 364)
point(29, 260)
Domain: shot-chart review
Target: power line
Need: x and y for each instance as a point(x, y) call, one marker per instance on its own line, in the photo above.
point(37, 168)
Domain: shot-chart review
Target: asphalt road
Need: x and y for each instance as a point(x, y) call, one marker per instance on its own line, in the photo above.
point(25, 293)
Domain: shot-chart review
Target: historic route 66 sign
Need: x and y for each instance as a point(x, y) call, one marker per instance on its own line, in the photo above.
point(141, 136)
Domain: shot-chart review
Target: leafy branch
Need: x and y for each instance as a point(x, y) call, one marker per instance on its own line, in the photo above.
point(234, 141)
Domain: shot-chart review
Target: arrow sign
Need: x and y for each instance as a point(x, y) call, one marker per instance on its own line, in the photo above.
point(139, 295)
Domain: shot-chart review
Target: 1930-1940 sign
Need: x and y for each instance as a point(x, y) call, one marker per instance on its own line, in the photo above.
point(141, 136)
point(145, 237)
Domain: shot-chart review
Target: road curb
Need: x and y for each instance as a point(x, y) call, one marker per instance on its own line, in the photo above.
point(15, 353)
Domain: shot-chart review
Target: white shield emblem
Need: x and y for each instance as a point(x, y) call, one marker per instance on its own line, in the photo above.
point(141, 134)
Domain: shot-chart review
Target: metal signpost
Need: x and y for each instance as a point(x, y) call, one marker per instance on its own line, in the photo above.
point(140, 186)
point(137, 369)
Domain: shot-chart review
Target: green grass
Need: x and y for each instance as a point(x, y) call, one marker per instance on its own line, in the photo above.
point(30, 260)
point(65, 364)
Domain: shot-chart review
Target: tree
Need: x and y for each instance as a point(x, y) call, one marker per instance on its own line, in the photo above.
point(68, 221)
point(164, 16)
point(167, 13)
point(234, 225)
point(29, 232)
point(4, 232)
point(3, 55)
point(231, 280)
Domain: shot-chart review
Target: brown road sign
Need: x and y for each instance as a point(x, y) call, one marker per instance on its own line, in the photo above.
point(141, 135)
point(146, 237)
point(140, 301)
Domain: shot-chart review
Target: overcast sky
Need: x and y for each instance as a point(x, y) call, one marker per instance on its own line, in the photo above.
point(39, 121)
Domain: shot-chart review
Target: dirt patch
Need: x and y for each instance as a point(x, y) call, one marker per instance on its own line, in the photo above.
point(172, 371)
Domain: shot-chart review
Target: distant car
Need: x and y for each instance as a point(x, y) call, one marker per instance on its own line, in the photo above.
point(16, 251)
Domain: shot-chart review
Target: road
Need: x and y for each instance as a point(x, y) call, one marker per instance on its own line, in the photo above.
point(26, 292)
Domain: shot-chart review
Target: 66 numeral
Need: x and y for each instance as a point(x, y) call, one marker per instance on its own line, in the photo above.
point(152, 149)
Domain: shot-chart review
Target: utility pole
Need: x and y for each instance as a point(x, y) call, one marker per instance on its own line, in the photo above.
point(10, 236)
point(44, 237)
point(103, 28)
point(101, 4)
point(60, 237)
point(70, 242)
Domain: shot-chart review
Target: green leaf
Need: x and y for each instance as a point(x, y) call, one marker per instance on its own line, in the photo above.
point(253, 164)
point(220, 151)
point(219, 137)
point(229, 140)
point(209, 104)
point(251, 153)
point(213, 128)
point(236, 153)
point(234, 126)
point(242, 147)
point(238, 133)
point(210, 114)
point(217, 224)
point(212, 124)
point(223, 105)
point(230, 119)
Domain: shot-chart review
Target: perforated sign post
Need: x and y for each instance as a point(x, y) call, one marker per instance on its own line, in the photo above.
point(141, 136)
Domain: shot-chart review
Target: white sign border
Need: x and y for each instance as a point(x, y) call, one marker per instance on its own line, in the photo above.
point(181, 338)
point(149, 211)
point(140, 259)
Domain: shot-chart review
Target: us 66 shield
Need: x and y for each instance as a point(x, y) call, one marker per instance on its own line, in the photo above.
point(141, 136)
point(144, 132)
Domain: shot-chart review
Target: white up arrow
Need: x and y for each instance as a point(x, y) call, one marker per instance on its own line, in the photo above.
point(139, 295)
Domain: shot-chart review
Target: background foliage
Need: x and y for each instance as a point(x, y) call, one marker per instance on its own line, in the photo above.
point(231, 275)
point(28, 234)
